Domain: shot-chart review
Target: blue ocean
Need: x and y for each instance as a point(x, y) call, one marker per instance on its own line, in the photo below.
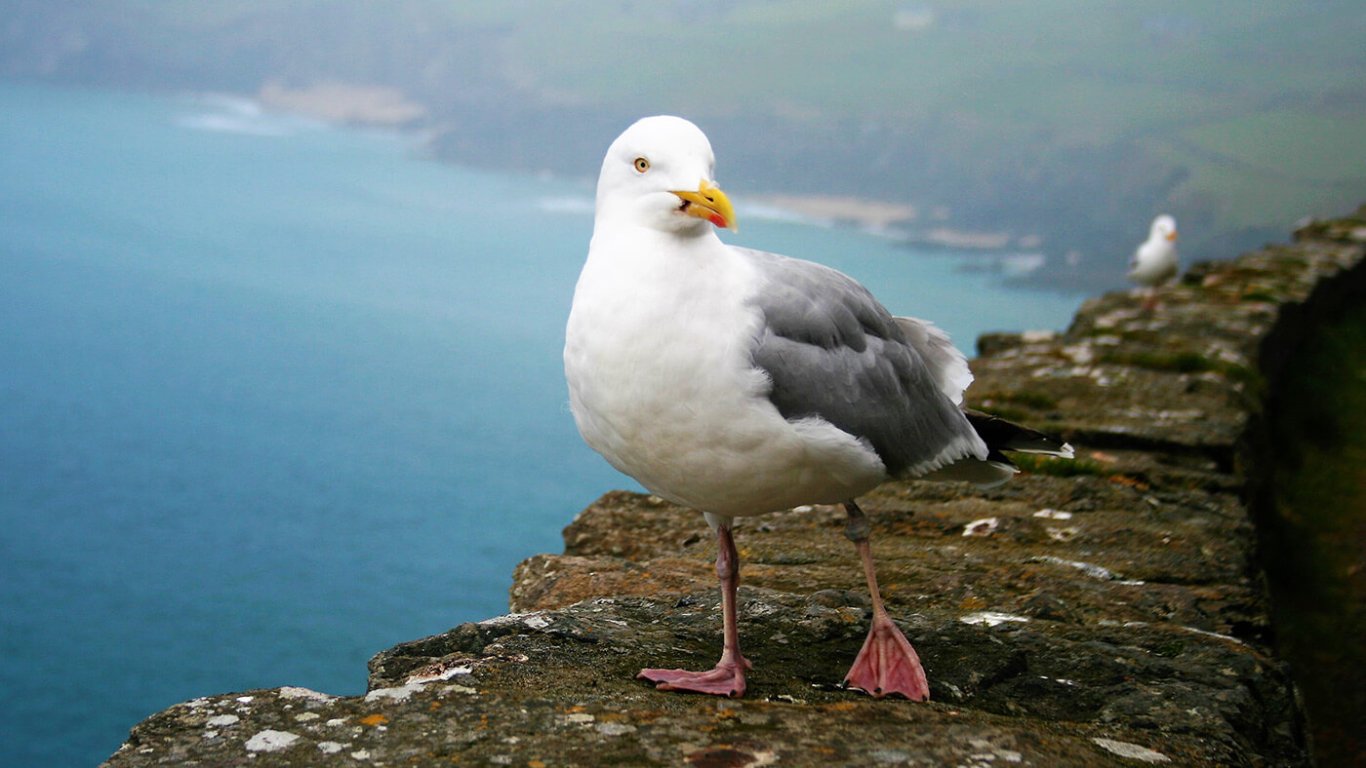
point(276, 395)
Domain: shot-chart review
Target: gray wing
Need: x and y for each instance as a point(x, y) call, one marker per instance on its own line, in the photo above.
point(831, 350)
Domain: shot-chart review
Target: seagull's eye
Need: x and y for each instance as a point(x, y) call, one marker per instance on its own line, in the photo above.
point(642, 165)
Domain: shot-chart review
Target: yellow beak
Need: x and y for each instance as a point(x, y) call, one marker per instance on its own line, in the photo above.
point(1172, 236)
point(709, 203)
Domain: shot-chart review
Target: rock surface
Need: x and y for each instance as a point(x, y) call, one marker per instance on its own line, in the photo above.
point(1104, 611)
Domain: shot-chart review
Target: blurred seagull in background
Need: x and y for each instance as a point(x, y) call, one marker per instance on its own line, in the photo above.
point(1154, 263)
point(738, 382)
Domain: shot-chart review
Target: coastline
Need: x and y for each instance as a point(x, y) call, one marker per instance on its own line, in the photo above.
point(901, 219)
point(847, 209)
point(378, 106)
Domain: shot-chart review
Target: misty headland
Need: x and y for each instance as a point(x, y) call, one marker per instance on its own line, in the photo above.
point(1055, 128)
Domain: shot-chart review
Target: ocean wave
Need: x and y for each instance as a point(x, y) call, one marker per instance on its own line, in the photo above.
point(230, 113)
point(575, 204)
point(1021, 264)
point(1007, 265)
point(229, 103)
point(778, 213)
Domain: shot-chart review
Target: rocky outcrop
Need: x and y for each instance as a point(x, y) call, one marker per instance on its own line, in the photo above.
point(1103, 611)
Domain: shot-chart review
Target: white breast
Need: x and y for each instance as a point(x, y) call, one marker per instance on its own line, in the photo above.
point(657, 357)
point(1154, 262)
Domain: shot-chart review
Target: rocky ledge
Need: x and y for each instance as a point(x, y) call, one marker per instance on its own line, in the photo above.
point(1104, 611)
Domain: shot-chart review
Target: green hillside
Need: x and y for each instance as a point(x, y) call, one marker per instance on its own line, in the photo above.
point(1073, 119)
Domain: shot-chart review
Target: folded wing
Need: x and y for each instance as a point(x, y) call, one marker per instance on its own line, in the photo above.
point(833, 352)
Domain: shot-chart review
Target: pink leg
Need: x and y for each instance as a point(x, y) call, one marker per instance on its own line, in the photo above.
point(887, 664)
point(727, 678)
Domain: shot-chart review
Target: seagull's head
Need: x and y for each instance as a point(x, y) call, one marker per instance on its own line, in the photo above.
point(1164, 228)
point(659, 174)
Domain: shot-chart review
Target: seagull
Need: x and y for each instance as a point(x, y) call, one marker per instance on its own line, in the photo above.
point(1154, 262)
point(738, 382)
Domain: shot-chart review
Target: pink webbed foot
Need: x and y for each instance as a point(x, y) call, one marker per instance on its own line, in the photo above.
point(727, 678)
point(888, 665)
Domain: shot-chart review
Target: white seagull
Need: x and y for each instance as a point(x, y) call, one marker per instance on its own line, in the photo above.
point(738, 382)
point(1154, 263)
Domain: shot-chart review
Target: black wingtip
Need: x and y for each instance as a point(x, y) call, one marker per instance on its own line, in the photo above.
point(1002, 435)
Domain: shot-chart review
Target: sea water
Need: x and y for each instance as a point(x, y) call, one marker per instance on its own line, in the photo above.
point(276, 395)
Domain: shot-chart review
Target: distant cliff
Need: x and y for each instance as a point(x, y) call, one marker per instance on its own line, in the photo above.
point(1104, 611)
